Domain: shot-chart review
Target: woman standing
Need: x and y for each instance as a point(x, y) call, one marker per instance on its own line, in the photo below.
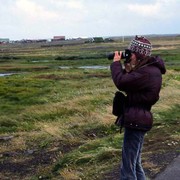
point(141, 81)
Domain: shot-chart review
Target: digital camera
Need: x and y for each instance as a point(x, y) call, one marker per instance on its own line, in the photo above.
point(125, 55)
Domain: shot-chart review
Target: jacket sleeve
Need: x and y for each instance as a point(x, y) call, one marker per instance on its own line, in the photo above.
point(133, 81)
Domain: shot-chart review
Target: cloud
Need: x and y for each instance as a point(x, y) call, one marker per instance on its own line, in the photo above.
point(50, 11)
point(145, 10)
point(66, 4)
point(45, 18)
point(159, 9)
point(73, 4)
point(33, 11)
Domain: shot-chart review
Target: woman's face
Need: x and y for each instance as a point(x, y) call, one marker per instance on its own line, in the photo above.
point(133, 60)
point(132, 63)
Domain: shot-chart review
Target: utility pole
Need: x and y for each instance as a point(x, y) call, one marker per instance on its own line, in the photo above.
point(122, 38)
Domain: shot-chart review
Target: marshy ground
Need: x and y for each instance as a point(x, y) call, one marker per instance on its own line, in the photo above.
point(56, 123)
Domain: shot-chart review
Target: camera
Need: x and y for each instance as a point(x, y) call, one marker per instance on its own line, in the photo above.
point(125, 55)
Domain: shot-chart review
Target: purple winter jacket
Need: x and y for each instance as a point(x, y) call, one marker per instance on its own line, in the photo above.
point(142, 87)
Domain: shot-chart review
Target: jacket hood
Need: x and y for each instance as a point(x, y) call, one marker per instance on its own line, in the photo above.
point(158, 62)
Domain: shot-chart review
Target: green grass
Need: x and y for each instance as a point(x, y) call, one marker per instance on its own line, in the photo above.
point(44, 105)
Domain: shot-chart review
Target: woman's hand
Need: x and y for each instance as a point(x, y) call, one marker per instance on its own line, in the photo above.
point(117, 56)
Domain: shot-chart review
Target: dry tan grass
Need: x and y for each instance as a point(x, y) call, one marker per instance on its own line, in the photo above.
point(165, 48)
point(54, 129)
point(69, 174)
point(169, 95)
point(151, 166)
point(13, 145)
point(19, 140)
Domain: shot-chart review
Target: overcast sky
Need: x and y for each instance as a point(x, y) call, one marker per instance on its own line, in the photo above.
point(37, 19)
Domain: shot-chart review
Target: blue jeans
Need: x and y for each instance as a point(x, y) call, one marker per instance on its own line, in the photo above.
point(131, 168)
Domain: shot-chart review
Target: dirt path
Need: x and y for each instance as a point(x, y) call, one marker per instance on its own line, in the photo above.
point(34, 163)
point(160, 160)
point(24, 164)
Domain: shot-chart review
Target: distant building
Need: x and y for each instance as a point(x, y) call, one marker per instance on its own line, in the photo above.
point(41, 40)
point(95, 40)
point(4, 40)
point(98, 39)
point(58, 38)
point(32, 41)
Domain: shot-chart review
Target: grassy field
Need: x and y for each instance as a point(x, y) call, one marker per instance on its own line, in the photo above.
point(55, 114)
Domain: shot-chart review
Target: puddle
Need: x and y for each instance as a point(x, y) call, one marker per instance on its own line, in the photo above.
point(36, 61)
point(94, 67)
point(6, 74)
point(65, 67)
point(85, 67)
